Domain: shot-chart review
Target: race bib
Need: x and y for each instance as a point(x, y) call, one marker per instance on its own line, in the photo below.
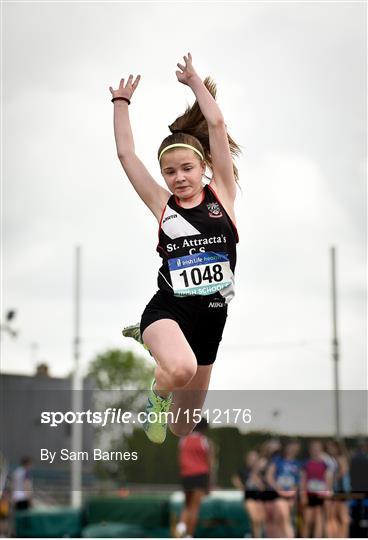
point(286, 481)
point(315, 486)
point(200, 274)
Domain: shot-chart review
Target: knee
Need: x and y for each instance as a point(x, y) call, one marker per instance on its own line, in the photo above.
point(182, 374)
point(257, 519)
point(345, 519)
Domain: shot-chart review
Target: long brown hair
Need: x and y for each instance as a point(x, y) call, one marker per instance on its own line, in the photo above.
point(191, 128)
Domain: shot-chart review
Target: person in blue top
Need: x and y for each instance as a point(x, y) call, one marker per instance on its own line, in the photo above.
point(283, 475)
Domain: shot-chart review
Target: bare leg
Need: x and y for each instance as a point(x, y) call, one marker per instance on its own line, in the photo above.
point(177, 372)
point(318, 522)
point(176, 363)
point(270, 525)
point(255, 511)
point(307, 521)
point(190, 515)
point(186, 399)
point(284, 519)
point(331, 525)
point(343, 519)
point(183, 518)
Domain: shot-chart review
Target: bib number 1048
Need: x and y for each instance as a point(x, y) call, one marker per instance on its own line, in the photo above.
point(202, 273)
point(199, 274)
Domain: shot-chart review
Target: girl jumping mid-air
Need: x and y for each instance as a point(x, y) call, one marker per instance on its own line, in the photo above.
point(182, 325)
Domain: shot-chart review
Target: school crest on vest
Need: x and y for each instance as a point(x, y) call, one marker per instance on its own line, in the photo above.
point(214, 210)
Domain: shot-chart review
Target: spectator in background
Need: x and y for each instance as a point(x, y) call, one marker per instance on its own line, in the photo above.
point(22, 485)
point(249, 480)
point(283, 475)
point(4, 513)
point(337, 511)
point(316, 484)
point(4, 498)
point(359, 489)
point(195, 463)
point(269, 450)
point(331, 527)
point(359, 469)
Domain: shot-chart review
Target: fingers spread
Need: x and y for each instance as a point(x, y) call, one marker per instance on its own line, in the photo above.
point(121, 83)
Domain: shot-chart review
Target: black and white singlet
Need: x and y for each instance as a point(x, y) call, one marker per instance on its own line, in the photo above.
point(198, 248)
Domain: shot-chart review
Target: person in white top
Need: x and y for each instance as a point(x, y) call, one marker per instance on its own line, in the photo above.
point(22, 485)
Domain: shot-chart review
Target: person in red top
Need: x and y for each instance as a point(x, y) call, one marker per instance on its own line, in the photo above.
point(195, 460)
point(316, 486)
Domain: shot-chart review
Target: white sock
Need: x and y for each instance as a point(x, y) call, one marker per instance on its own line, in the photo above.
point(181, 528)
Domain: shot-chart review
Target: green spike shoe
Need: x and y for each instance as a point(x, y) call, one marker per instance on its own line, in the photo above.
point(134, 331)
point(156, 426)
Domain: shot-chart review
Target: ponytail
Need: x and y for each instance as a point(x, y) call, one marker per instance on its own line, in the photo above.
point(191, 128)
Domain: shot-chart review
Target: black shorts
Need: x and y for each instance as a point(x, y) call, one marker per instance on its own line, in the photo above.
point(253, 494)
point(314, 500)
point(199, 481)
point(269, 495)
point(201, 319)
point(22, 505)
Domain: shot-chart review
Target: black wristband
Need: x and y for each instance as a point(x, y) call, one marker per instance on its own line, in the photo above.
point(123, 98)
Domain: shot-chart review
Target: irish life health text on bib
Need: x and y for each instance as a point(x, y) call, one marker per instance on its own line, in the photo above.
point(200, 273)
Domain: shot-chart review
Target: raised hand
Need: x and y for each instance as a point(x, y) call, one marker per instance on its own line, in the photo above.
point(187, 73)
point(128, 90)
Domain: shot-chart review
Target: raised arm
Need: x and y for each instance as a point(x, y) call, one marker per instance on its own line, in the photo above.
point(220, 151)
point(151, 193)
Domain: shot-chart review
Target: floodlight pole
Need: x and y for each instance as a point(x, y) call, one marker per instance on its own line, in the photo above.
point(335, 343)
point(77, 393)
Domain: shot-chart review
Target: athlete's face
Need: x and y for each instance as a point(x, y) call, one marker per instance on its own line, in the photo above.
point(331, 448)
point(251, 458)
point(182, 170)
point(315, 449)
point(292, 450)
